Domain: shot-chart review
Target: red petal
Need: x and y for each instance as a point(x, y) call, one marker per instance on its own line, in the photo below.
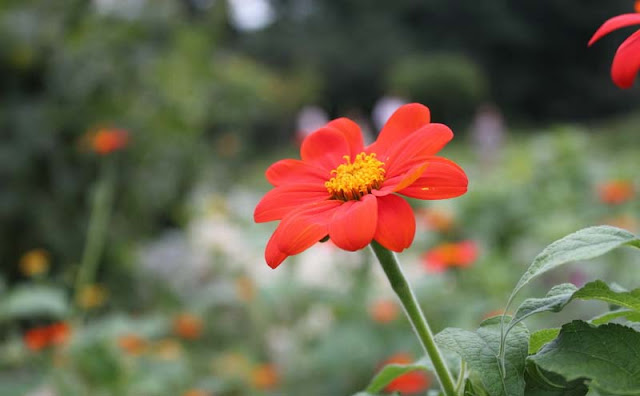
point(354, 223)
point(325, 148)
point(442, 179)
point(401, 181)
point(406, 120)
point(274, 256)
point(280, 201)
point(626, 62)
point(425, 142)
point(615, 23)
point(306, 226)
point(289, 171)
point(396, 223)
point(351, 132)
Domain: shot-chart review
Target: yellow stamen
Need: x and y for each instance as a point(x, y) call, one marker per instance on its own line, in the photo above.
point(354, 179)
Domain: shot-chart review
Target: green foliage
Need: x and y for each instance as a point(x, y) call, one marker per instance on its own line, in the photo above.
point(541, 337)
point(452, 84)
point(606, 355)
point(480, 350)
point(393, 371)
point(29, 301)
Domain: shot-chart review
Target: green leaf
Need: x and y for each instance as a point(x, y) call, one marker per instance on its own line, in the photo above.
point(581, 245)
point(607, 355)
point(480, 350)
point(541, 337)
point(393, 371)
point(33, 300)
point(544, 383)
point(555, 300)
point(630, 315)
point(598, 290)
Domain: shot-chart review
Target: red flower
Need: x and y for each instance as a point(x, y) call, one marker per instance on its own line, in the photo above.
point(413, 382)
point(626, 61)
point(106, 141)
point(615, 192)
point(460, 254)
point(42, 337)
point(346, 191)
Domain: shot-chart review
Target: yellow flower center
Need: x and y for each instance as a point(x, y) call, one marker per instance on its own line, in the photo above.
point(352, 180)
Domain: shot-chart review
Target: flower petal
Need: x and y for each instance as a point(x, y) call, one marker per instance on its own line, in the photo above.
point(401, 181)
point(325, 148)
point(351, 132)
point(406, 120)
point(354, 223)
point(396, 223)
point(626, 61)
point(282, 200)
point(427, 141)
point(305, 226)
point(442, 179)
point(272, 255)
point(615, 23)
point(289, 171)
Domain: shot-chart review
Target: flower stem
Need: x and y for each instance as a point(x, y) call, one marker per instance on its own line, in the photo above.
point(403, 290)
point(98, 223)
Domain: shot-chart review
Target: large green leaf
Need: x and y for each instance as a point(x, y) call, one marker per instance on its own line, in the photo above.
point(542, 383)
point(581, 245)
point(33, 300)
point(599, 290)
point(628, 314)
point(555, 300)
point(608, 356)
point(480, 350)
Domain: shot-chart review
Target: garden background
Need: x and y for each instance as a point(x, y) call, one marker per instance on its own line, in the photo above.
point(210, 93)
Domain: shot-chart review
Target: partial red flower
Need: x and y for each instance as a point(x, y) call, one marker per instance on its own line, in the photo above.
point(457, 254)
point(108, 140)
point(384, 311)
point(626, 61)
point(188, 326)
point(615, 192)
point(349, 192)
point(41, 337)
point(413, 382)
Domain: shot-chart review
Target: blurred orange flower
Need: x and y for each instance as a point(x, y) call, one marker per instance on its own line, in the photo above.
point(457, 254)
point(615, 192)
point(167, 349)
point(437, 219)
point(411, 383)
point(132, 344)
point(34, 262)
point(383, 311)
point(41, 337)
point(187, 326)
point(636, 6)
point(265, 377)
point(196, 392)
point(108, 140)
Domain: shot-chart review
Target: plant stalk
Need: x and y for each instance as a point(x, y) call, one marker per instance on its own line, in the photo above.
point(403, 290)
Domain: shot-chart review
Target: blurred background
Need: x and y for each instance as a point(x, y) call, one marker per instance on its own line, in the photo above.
point(134, 139)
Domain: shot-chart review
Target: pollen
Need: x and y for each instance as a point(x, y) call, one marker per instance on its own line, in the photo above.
point(353, 180)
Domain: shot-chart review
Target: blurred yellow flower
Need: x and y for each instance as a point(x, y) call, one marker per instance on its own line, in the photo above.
point(34, 262)
point(167, 349)
point(92, 296)
point(245, 288)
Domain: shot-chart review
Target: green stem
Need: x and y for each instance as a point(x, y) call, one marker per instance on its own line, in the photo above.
point(98, 224)
point(403, 290)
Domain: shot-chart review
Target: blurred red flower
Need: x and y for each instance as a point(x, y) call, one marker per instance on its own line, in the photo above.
point(458, 254)
point(626, 61)
point(346, 191)
point(108, 140)
point(41, 337)
point(265, 377)
point(413, 382)
point(615, 192)
point(384, 311)
point(187, 326)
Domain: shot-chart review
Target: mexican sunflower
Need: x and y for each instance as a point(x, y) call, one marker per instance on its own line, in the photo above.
point(626, 61)
point(350, 193)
